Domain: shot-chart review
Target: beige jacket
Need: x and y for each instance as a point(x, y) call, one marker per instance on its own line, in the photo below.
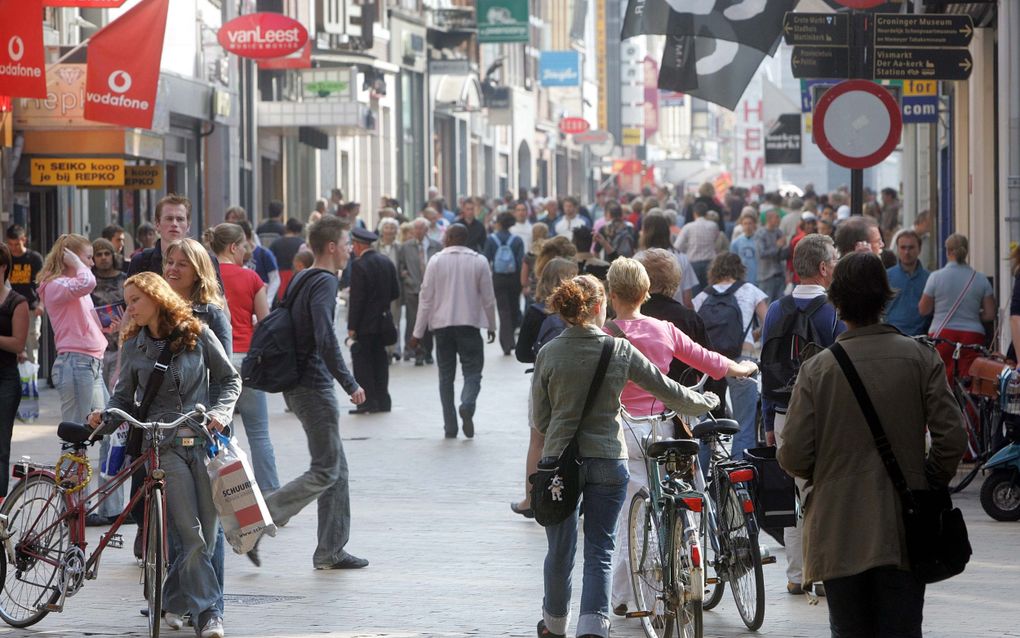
point(852, 518)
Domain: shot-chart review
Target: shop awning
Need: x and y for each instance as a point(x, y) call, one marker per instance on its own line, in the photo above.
point(456, 92)
point(354, 59)
point(339, 117)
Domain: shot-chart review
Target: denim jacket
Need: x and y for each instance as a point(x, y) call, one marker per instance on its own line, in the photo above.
point(563, 374)
point(186, 382)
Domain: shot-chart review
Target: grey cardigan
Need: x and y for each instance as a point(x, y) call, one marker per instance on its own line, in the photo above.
point(185, 384)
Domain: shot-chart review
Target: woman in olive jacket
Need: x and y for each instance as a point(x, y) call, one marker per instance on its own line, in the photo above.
point(558, 391)
point(853, 523)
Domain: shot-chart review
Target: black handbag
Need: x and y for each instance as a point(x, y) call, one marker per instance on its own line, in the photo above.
point(937, 542)
point(556, 486)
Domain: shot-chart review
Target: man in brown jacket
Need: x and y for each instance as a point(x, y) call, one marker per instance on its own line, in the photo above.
point(853, 525)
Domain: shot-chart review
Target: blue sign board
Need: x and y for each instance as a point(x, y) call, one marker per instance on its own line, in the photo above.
point(920, 109)
point(559, 68)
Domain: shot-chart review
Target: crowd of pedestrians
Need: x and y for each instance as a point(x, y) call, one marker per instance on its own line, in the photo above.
point(717, 283)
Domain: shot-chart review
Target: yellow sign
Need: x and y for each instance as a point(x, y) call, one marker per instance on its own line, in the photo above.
point(632, 136)
point(74, 171)
point(920, 87)
point(143, 177)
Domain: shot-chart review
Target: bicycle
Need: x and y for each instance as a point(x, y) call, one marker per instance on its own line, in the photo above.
point(982, 413)
point(729, 528)
point(666, 570)
point(42, 524)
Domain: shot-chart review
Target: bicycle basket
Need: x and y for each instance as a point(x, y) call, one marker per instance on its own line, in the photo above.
point(775, 502)
point(985, 374)
point(1011, 391)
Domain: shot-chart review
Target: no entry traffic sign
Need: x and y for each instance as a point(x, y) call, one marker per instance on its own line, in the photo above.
point(857, 124)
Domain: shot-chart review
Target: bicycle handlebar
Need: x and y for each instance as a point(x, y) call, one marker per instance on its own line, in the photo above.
point(934, 341)
point(121, 415)
point(658, 418)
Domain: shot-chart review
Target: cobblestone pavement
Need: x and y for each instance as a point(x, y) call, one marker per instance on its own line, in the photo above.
point(448, 558)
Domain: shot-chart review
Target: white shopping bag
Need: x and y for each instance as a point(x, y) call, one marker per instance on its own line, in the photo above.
point(236, 495)
point(28, 409)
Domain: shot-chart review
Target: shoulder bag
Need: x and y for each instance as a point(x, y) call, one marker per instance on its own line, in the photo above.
point(937, 541)
point(556, 486)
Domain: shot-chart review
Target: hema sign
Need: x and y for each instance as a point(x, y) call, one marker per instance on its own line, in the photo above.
point(559, 68)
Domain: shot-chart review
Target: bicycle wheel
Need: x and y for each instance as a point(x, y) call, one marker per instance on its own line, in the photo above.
point(744, 570)
point(973, 427)
point(714, 585)
point(646, 566)
point(689, 588)
point(39, 540)
point(154, 563)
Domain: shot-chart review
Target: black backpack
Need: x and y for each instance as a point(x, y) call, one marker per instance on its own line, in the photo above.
point(794, 340)
point(271, 364)
point(551, 327)
point(724, 322)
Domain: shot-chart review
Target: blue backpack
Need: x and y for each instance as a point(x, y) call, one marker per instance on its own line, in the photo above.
point(551, 328)
point(724, 322)
point(504, 262)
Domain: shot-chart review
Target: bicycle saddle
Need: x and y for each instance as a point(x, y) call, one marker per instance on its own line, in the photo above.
point(715, 428)
point(73, 432)
point(686, 447)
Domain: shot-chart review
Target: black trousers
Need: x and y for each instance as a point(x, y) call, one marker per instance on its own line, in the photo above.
point(883, 602)
point(507, 289)
point(372, 371)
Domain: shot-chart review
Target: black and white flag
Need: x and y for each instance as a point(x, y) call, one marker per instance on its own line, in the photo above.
point(752, 23)
point(716, 71)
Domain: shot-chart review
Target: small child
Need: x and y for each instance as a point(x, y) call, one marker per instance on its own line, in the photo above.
point(303, 259)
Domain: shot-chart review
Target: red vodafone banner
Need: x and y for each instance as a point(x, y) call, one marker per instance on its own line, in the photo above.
point(85, 4)
point(22, 58)
point(123, 67)
point(263, 35)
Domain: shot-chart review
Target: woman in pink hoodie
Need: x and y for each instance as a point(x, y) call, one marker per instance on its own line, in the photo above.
point(65, 284)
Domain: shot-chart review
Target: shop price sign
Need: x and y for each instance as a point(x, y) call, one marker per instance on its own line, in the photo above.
point(77, 171)
point(574, 125)
point(263, 35)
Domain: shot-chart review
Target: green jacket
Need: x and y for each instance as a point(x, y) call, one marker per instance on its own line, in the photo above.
point(563, 374)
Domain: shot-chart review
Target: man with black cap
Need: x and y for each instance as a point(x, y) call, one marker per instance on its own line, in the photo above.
point(370, 325)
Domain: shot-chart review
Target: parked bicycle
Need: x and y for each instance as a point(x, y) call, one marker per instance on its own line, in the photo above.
point(665, 560)
point(42, 523)
point(978, 398)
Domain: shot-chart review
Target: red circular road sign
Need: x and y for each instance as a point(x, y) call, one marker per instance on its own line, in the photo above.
point(861, 4)
point(262, 35)
point(857, 124)
point(570, 125)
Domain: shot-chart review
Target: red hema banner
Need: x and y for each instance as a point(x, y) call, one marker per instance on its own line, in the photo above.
point(123, 67)
point(22, 58)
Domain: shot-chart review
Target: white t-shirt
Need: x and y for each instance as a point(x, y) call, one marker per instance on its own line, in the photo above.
point(524, 232)
point(748, 297)
point(566, 226)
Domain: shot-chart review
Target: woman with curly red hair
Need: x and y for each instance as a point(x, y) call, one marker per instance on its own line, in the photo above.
point(158, 318)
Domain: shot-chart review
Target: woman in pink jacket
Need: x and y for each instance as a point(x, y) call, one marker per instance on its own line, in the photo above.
point(65, 284)
point(660, 342)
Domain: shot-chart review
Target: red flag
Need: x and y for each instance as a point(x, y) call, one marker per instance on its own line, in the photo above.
point(22, 58)
point(123, 67)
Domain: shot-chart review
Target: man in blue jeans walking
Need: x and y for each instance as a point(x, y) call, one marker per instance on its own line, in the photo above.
point(455, 303)
point(315, 404)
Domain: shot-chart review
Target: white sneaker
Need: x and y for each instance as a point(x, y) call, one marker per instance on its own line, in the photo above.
point(173, 621)
point(213, 628)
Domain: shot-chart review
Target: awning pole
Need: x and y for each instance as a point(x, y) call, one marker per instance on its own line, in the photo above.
point(69, 53)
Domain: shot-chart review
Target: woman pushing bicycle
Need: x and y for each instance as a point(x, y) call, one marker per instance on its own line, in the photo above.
point(159, 319)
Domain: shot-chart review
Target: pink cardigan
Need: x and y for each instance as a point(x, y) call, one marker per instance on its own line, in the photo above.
point(661, 342)
point(72, 314)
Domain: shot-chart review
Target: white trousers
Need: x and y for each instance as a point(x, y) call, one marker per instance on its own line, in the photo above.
point(792, 535)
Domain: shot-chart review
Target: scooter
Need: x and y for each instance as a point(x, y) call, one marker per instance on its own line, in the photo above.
point(1000, 492)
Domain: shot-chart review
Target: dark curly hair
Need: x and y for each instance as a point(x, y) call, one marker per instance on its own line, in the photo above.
point(860, 289)
point(575, 299)
point(726, 266)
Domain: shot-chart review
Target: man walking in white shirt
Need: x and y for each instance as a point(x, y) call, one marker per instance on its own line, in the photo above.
point(456, 301)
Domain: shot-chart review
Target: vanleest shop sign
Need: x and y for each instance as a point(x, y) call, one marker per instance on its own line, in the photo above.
point(263, 35)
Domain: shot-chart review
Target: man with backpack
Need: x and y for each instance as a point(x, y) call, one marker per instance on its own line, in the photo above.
point(505, 252)
point(797, 326)
point(311, 304)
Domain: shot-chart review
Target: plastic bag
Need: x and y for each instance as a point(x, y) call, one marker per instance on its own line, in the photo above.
point(113, 461)
point(28, 409)
point(236, 495)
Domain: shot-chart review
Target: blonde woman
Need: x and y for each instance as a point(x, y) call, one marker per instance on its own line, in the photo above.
point(538, 324)
point(248, 304)
point(65, 286)
point(157, 319)
point(529, 271)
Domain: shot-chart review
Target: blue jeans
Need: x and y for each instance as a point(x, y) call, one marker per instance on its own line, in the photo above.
point(79, 381)
point(326, 480)
point(194, 586)
point(174, 551)
point(465, 342)
point(744, 400)
point(603, 489)
point(254, 411)
point(10, 399)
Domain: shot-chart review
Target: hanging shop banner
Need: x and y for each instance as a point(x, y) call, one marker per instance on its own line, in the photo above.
point(263, 35)
point(503, 21)
point(85, 4)
point(559, 68)
point(302, 59)
point(783, 140)
point(66, 171)
point(121, 89)
point(22, 57)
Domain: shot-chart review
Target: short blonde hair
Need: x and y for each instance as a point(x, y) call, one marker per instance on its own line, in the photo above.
point(664, 274)
point(628, 280)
